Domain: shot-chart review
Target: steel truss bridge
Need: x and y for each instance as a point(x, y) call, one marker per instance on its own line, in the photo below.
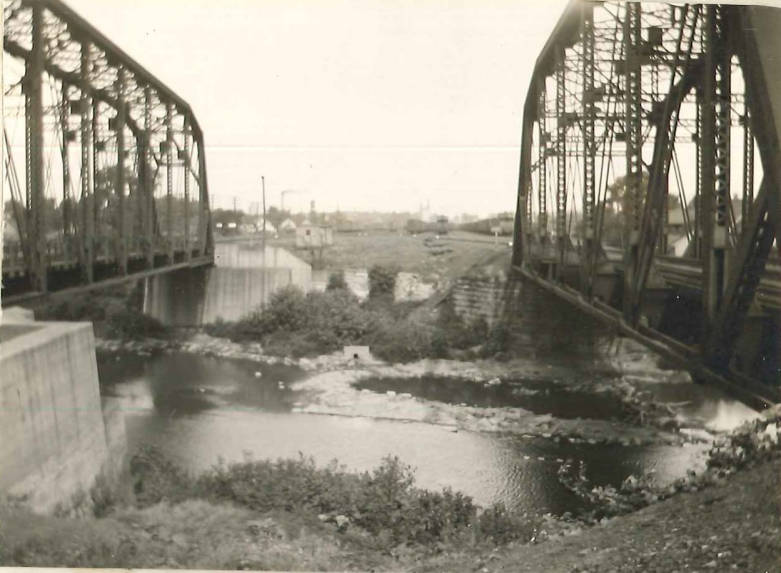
point(104, 166)
point(650, 180)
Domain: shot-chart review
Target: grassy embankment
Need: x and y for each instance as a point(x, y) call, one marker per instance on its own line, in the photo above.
point(291, 515)
point(437, 260)
point(287, 514)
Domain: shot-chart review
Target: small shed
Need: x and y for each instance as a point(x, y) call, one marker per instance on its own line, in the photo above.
point(309, 236)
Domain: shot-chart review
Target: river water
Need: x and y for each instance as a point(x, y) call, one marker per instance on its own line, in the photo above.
point(200, 409)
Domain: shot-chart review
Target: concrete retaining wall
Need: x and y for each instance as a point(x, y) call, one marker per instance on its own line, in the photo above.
point(54, 440)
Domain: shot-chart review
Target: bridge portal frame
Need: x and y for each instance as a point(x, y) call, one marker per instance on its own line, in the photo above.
point(115, 98)
point(708, 43)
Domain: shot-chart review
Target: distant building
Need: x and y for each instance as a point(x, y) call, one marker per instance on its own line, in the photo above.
point(287, 226)
point(309, 236)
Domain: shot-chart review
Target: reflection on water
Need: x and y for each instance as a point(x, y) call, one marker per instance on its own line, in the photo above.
point(538, 396)
point(701, 405)
point(198, 409)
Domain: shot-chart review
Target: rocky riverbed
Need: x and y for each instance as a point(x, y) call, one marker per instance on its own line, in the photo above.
point(330, 389)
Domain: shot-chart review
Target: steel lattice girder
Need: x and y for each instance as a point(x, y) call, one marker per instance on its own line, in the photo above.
point(97, 75)
point(735, 33)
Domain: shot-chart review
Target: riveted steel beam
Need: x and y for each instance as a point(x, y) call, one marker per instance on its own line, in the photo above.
point(589, 149)
point(561, 155)
point(122, 226)
point(87, 181)
point(542, 169)
point(634, 152)
point(34, 154)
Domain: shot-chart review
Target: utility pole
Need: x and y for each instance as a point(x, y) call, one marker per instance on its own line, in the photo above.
point(263, 187)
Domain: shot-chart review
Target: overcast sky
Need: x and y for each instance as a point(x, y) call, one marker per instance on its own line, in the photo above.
point(366, 104)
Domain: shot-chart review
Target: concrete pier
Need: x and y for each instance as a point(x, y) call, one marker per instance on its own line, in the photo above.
point(57, 438)
point(243, 278)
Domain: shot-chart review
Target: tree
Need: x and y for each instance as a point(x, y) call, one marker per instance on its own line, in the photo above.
point(614, 218)
point(275, 216)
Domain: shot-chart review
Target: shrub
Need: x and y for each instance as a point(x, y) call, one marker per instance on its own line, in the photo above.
point(123, 322)
point(156, 478)
point(286, 311)
point(458, 333)
point(382, 282)
point(336, 281)
point(384, 502)
point(298, 324)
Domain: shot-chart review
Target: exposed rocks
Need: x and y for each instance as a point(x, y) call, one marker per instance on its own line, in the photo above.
point(333, 393)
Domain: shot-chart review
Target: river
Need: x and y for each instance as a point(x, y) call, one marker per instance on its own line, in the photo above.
point(198, 410)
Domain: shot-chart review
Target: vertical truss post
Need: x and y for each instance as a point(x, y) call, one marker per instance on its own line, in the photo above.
point(87, 220)
point(186, 171)
point(140, 193)
point(589, 148)
point(634, 151)
point(542, 171)
point(147, 182)
point(722, 196)
point(527, 209)
point(96, 145)
point(203, 198)
point(66, 172)
point(561, 155)
point(521, 228)
point(697, 231)
point(34, 154)
point(748, 171)
point(169, 181)
point(708, 165)
point(119, 125)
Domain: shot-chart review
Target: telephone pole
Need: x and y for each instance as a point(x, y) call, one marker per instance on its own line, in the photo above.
point(263, 187)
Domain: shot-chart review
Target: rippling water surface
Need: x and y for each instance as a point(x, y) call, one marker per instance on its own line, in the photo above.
point(198, 410)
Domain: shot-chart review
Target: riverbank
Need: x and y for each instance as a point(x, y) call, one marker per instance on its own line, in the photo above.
point(729, 521)
point(208, 533)
point(733, 525)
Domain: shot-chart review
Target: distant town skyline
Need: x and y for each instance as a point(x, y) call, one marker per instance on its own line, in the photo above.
point(357, 105)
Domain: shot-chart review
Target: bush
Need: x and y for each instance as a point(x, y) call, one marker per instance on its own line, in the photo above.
point(406, 341)
point(456, 332)
point(286, 311)
point(336, 281)
point(123, 322)
point(118, 312)
point(382, 282)
point(384, 502)
point(156, 479)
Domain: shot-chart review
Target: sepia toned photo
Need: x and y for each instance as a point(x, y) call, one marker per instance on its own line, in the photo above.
point(391, 285)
